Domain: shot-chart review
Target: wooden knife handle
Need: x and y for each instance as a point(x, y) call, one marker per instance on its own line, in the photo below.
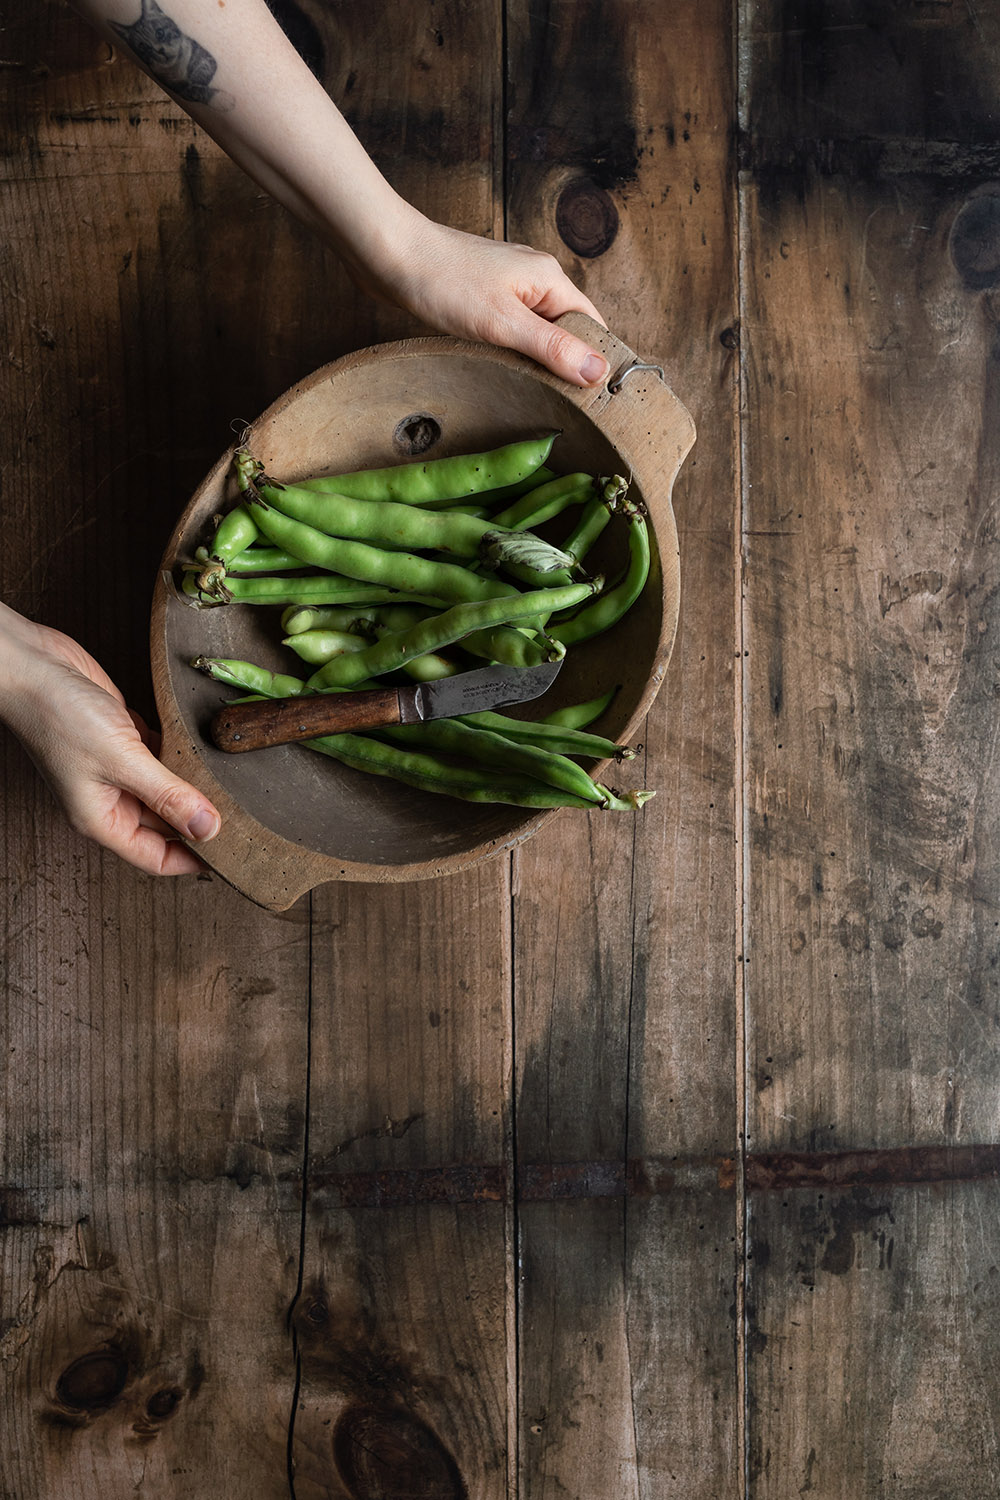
point(280, 721)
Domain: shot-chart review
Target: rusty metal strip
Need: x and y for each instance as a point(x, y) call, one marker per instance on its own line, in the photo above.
point(652, 1177)
point(903, 1165)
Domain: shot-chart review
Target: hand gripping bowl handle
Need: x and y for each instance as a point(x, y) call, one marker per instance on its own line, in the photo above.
point(635, 412)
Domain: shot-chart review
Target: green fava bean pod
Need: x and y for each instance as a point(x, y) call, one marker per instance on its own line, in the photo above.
point(320, 589)
point(261, 560)
point(234, 534)
point(249, 677)
point(430, 668)
point(393, 651)
point(428, 774)
point(550, 736)
point(607, 610)
point(547, 501)
point(597, 512)
point(504, 495)
point(439, 479)
point(579, 715)
point(385, 523)
point(511, 647)
point(404, 571)
point(454, 737)
point(297, 619)
point(319, 646)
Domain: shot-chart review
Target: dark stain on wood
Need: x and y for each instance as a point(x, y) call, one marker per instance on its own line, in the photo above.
point(389, 1454)
point(867, 92)
point(573, 102)
point(16, 1208)
point(342, 1349)
point(829, 1231)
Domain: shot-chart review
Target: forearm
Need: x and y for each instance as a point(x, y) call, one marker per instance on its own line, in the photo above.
point(235, 72)
point(233, 69)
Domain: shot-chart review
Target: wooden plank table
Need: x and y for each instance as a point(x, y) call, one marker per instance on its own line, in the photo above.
point(656, 1159)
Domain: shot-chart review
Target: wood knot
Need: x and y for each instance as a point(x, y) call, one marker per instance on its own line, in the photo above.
point(163, 1404)
point(93, 1381)
point(389, 1454)
point(586, 218)
point(317, 1312)
point(975, 240)
point(416, 433)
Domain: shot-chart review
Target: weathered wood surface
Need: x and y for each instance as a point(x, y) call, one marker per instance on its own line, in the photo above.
point(869, 242)
point(441, 1189)
point(623, 934)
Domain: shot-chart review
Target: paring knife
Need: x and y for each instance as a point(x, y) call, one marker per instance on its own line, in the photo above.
point(281, 721)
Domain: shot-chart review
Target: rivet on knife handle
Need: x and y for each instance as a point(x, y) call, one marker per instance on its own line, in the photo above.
point(281, 721)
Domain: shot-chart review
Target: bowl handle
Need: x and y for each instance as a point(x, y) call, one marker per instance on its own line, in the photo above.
point(653, 433)
point(634, 392)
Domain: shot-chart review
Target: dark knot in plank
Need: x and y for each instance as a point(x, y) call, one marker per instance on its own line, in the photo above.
point(94, 1381)
point(389, 1454)
point(586, 218)
point(975, 240)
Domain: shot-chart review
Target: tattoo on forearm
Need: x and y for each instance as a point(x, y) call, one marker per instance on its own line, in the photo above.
point(178, 62)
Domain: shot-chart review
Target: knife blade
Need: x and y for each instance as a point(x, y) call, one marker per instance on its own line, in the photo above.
point(282, 721)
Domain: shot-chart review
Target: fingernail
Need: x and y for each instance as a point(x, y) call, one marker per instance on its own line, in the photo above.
point(593, 369)
point(204, 825)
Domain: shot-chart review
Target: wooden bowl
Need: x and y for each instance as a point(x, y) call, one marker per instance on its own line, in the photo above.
point(292, 819)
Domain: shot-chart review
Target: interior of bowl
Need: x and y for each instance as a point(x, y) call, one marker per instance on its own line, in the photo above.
point(372, 412)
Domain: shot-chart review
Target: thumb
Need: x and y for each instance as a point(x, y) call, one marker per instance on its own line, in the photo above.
point(180, 805)
point(557, 349)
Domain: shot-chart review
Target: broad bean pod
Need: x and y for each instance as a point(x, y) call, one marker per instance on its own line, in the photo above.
point(597, 512)
point(503, 495)
point(234, 533)
point(548, 500)
point(574, 742)
point(319, 646)
point(386, 523)
point(317, 589)
point(405, 571)
point(298, 618)
point(474, 742)
point(257, 560)
point(250, 678)
point(511, 647)
point(393, 651)
point(435, 479)
point(607, 610)
point(579, 715)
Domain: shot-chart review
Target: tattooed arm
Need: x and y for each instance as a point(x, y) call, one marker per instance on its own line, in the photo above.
point(232, 68)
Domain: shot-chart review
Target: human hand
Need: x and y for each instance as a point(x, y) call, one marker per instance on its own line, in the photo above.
point(96, 754)
point(487, 290)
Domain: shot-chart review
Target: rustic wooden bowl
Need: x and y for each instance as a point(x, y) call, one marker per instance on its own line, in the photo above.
point(292, 819)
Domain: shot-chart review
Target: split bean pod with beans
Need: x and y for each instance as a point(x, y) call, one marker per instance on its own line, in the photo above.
point(423, 570)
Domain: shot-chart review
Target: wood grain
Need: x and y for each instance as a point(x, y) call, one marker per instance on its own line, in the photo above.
point(155, 1040)
point(623, 934)
point(481, 1138)
point(406, 1376)
point(871, 582)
